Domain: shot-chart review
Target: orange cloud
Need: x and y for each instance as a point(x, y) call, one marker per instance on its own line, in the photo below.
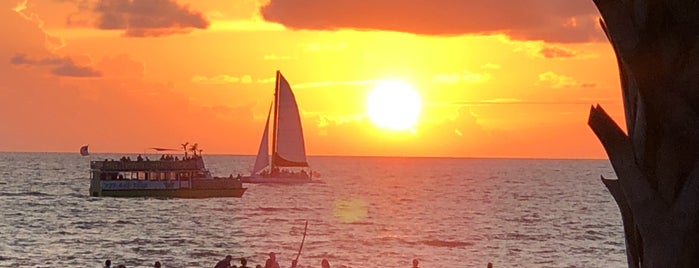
point(118, 111)
point(561, 81)
point(465, 76)
point(224, 79)
point(547, 20)
point(50, 41)
point(551, 52)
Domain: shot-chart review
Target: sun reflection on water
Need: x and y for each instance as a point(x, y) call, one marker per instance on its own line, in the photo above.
point(350, 210)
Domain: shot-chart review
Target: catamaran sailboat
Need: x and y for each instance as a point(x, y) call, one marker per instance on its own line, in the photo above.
point(288, 163)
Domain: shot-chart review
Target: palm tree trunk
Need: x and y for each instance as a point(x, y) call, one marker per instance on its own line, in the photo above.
point(656, 44)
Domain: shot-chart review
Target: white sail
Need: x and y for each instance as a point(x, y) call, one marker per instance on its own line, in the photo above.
point(262, 160)
point(290, 150)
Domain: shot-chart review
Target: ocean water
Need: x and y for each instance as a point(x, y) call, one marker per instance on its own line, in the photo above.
point(370, 212)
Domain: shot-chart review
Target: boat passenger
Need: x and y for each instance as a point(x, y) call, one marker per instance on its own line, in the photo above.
point(157, 264)
point(139, 158)
point(225, 263)
point(258, 266)
point(490, 265)
point(108, 264)
point(415, 262)
point(325, 263)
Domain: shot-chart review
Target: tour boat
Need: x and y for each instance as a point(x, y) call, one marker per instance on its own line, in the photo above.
point(167, 177)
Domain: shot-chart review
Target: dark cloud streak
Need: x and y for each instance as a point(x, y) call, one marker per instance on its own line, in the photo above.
point(59, 66)
point(562, 21)
point(147, 18)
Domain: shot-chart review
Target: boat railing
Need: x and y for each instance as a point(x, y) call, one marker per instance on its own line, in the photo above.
point(164, 165)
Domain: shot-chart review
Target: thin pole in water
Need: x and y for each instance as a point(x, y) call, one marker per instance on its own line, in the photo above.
point(302, 240)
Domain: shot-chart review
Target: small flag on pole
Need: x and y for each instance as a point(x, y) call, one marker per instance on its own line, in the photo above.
point(83, 151)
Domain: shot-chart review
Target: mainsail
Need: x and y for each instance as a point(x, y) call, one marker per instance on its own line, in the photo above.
point(289, 149)
point(262, 160)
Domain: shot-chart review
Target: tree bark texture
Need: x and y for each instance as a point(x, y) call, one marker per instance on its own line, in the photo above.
point(657, 47)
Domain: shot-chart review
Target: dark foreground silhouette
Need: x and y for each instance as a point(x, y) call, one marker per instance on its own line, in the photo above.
point(271, 262)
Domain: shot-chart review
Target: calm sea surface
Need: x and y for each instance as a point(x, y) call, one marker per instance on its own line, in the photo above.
point(370, 212)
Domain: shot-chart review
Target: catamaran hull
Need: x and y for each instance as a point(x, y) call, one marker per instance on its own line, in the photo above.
point(179, 193)
point(282, 180)
point(202, 188)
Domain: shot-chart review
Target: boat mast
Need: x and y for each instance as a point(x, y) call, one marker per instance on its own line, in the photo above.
point(276, 121)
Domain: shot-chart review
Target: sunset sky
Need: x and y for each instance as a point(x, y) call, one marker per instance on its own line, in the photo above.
point(495, 78)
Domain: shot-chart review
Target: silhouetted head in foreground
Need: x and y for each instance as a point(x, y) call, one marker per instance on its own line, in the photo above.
point(243, 261)
point(415, 262)
point(490, 265)
point(157, 264)
point(294, 263)
point(324, 263)
point(108, 263)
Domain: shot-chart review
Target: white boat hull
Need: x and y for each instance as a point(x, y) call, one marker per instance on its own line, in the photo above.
point(278, 179)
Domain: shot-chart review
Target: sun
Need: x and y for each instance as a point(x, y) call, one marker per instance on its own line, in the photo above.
point(393, 105)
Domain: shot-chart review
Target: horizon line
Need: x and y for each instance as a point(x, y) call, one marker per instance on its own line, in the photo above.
point(333, 155)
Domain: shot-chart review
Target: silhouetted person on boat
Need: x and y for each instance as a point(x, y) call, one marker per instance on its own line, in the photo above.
point(294, 263)
point(490, 265)
point(325, 263)
point(415, 263)
point(108, 264)
point(157, 264)
point(225, 263)
point(272, 261)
